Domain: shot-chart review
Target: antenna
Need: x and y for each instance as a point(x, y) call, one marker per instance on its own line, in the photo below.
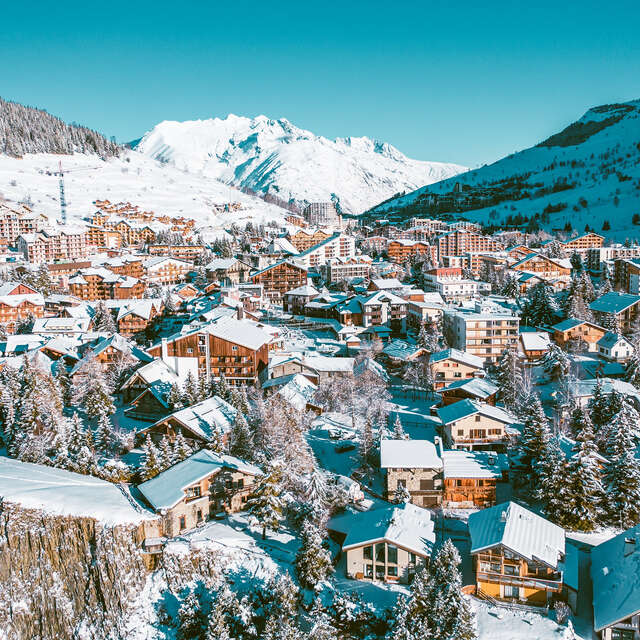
point(63, 202)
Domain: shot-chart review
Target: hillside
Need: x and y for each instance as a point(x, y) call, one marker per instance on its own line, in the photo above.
point(585, 174)
point(28, 130)
point(132, 177)
point(275, 157)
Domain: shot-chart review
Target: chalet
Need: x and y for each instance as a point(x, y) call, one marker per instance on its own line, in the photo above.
point(519, 251)
point(164, 270)
point(236, 348)
point(19, 302)
point(573, 331)
point(534, 344)
point(517, 555)
point(479, 389)
point(227, 271)
point(623, 307)
point(613, 346)
point(280, 277)
point(61, 326)
point(193, 491)
point(472, 478)
point(470, 424)
point(414, 465)
point(397, 353)
point(616, 588)
point(543, 266)
point(136, 316)
point(187, 291)
point(388, 544)
point(582, 243)
point(296, 390)
point(98, 283)
point(451, 365)
point(200, 423)
point(317, 369)
point(295, 300)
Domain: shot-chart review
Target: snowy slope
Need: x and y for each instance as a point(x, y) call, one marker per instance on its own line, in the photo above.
point(276, 157)
point(598, 156)
point(134, 178)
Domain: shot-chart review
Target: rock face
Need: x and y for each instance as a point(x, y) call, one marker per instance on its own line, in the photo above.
point(66, 577)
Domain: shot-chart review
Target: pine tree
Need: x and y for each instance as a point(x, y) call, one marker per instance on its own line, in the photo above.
point(509, 378)
point(181, 449)
point(76, 437)
point(102, 319)
point(510, 287)
point(556, 363)
point(175, 398)
point(105, 436)
point(586, 286)
point(578, 422)
point(203, 388)
point(217, 627)
point(165, 454)
point(611, 322)
point(398, 431)
point(534, 438)
point(150, 459)
point(623, 471)
point(313, 561)
point(191, 619)
point(322, 627)
point(190, 391)
point(540, 308)
point(223, 389)
point(584, 489)
point(366, 445)
point(401, 495)
point(550, 472)
point(241, 439)
point(64, 382)
point(265, 503)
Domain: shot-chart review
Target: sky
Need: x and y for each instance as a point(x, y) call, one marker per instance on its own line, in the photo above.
point(465, 82)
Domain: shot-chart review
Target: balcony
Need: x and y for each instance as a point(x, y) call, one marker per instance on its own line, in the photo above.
point(529, 582)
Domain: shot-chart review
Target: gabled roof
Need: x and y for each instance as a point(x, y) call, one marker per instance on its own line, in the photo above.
point(167, 488)
point(610, 340)
point(409, 454)
point(203, 418)
point(479, 387)
point(458, 410)
point(614, 302)
point(402, 350)
point(407, 526)
point(569, 323)
point(615, 567)
point(241, 332)
point(458, 356)
point(474, 464)
point(527, 534)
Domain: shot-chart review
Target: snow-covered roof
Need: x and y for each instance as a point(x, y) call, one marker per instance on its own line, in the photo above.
point(326, 363)
point(409, 454)
point(57, 325)
point(369, 364)
point(167, 488)
point(519, 530)
point(295, 388)
point(407, 526)
point(614, 302)
point(15, 300)
point(611, 339)
point(474, 464)
point(535, 340)
point(221, 263)
point(458, 410)
point(387, 283)
point(203, 417)
point(241, 332)
point(304, 290)
point(459, 356)
point(65, 493)
point(615, 567)
point(479, 387)
point(155, 371)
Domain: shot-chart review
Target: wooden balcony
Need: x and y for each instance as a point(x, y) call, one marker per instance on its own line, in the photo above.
point(529, 582)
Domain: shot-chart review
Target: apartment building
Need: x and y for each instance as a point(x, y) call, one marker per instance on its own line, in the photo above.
point(624, 307)
point(450, 284)
point(164, 270)
point(433, 226)
point(68, 243)
point(280, 277)
point(18, 302)
point(303, 240)
point(584, 242)
point(400, 251)
point(321, 214)
point(17, 220)
point(339, 269)
point(543, 266)
point(98, 283)
point(461, 241)
point(485, 334)
point(453, 365)
point(338, 245)
point(187, 252)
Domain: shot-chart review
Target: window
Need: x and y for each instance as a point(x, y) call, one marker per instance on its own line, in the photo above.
point(234, 348)
point(189, 349)
point(401, 483)
point(426, 485)
point(367, 553)
point(511, 592)
point(193, 492)
point(412, 558)
point(392, 554)
point(182, 523)
point(478, 418)
point(199, 515)
point(392, 571)
point(368, 571)
point(380, 552)
point(622, 634)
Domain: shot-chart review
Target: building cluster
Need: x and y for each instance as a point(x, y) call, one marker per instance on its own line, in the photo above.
point(430, 309)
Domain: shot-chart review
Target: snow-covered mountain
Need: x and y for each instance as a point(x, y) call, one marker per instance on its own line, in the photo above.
point(588, 173)
point(278, 158)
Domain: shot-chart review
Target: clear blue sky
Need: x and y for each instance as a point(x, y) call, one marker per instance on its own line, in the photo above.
point(465, 82)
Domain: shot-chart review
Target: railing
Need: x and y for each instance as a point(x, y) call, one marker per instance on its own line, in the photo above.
point(508, 604)
point(521, 581)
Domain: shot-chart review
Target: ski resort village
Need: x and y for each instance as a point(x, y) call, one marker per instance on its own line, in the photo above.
point(231, 411)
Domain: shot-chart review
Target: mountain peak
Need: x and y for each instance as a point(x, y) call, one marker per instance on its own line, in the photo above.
point(274, 156)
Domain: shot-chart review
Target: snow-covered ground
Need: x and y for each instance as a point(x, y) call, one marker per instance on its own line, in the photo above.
point(61, 492)
point(275, 156)
point(134, 178)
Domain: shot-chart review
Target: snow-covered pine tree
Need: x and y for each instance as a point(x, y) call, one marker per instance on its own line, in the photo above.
point(105, 437)
point(556, 363)
point(401, 495)
point(509, 378)
point(586, 286)
point(550, 473)
point(217, 627)
point(265, 504)
point(398, 431)
point(189, 391)
point(632, 370)
point(533, 439)
point(91, 390)
point(165, 454)
point(366, 445)
point(622, 470)
point(203, 388)
point(583, 487)
point(313, 561)
point(102, 319)
point(150, 459)
point(449, 613)
point(510, 287)
point(322, 627)
point(223, 389)
point(64, 382)
point(76, 435)
point(241, 443)
point(541, 307)
point(174, 399)
point(181, 448)
point(579, 421)
point(192, 621)
point(611, 322)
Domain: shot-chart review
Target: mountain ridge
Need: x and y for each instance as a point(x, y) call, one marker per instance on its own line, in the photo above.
point(274, 156)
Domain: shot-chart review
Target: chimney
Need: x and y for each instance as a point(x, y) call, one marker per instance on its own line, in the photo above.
point(438, 442)
point(165, 350)
point(629, 546)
